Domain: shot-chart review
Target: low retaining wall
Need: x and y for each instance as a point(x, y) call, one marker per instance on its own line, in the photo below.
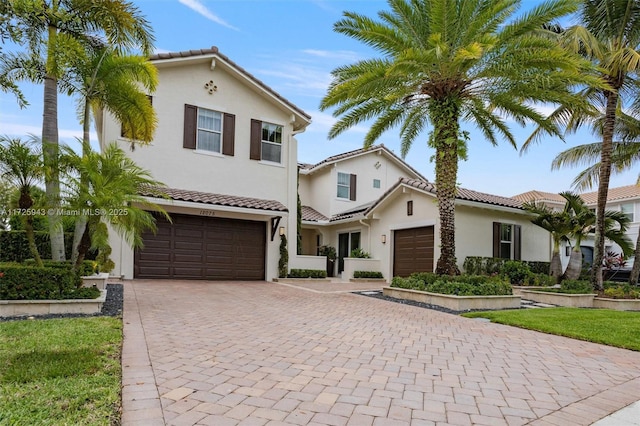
point(560, 299)
point(12, 308)
point(455, 303)
point(98, 280)
point(617, 304)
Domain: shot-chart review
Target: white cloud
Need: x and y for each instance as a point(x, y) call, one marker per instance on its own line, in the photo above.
point(344, 55)
point(322, 122)
point(198, 7)
point(24, 130)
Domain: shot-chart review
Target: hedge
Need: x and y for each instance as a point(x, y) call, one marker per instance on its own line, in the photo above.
point(14, 246)
point(19, 282)
point(478, 265)
point(367, 274)
point(87, 267)
point(307, 273)
point(462, 285)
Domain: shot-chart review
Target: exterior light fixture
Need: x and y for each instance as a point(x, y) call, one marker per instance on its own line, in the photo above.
point(383, 239)
point(281, 230)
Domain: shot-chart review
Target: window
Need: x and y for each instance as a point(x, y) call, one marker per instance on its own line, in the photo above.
point(209, 136)
point(376, 183)
point(506, 240)
point(410, 208)
point(266, 141)
point(628, 210)
point(346, 186)
point(209, 130)
point(343, 185)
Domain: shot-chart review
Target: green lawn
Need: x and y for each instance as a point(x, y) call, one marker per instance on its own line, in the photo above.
point(60, 371)
point(613, 328)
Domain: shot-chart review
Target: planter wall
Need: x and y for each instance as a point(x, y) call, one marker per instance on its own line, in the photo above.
point(560, 299)
point(617, 304)
point(11, 308)
point(98, 280)
point(455, 303)
point(517, 289)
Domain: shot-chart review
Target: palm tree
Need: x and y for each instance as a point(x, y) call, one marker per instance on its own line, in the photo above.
point(109, 184)
point(445, 61)
point(583, 221)
point(21, 167)
point(54, 28)
point(105, 80)
point(623, 156)
point(558, 224)
point(609, 37)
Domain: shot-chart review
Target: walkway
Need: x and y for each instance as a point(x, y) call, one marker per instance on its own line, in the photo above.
point(198, 353)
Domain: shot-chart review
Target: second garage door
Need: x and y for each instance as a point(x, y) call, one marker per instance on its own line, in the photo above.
point(205, 248)
point(412, 251)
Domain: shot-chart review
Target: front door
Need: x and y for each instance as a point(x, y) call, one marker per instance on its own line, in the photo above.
point(346, 242)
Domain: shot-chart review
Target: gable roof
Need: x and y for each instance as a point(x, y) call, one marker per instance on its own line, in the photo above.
point(309, 214)
point(462, 194)
point(306, 168)
point(531, 196)
point(303, 120)
point(215, 199)
point(591, 198)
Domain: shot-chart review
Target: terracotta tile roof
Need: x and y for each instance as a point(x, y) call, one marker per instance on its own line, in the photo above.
point(215, 199)
point(214, 51)
point(615, 194)
point(534, 195)
point(312, 215)
point(351, 213)
point(462, 194)
point(330, 160)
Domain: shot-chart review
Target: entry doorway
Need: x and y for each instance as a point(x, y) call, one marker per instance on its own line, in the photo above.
point(347, 242)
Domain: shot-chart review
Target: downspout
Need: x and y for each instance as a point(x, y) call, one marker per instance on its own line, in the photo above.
point(293, 241)
point(368, 233)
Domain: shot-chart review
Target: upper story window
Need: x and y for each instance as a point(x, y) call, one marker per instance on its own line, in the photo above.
point(209, 130)
point(628, 210)
point(266, 141)
point(376, 183)
point(346, 188)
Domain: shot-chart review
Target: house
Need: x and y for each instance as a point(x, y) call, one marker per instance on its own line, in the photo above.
point(625, 199)
point(372, 200)
point(225, 147)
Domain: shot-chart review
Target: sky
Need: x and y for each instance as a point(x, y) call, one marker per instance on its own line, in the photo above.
point(290, 45)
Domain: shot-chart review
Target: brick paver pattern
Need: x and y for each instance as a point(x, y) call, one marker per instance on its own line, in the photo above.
point(221, 354)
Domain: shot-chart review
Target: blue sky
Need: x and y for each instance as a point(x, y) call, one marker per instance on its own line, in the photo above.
point(291, 46)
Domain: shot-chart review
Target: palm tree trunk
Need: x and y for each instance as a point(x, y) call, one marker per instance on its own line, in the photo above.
point(50, 154)
point(635, 270)
point(575, 265)
point(81, 221)
point(26, 202)
point(603, 188)
point(444, 115)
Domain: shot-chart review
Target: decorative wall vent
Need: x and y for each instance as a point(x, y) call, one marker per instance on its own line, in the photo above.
point(210, 87)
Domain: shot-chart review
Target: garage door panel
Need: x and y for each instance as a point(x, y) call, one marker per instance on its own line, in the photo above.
point(195, 247)
point(413, 251)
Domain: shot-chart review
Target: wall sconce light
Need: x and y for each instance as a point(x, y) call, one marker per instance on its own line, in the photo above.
point(281, 230)
point(383, 239)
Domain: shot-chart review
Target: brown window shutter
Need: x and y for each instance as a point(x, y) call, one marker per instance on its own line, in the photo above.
point(228, 134)
point(352, 188)
point(496, 239)
point(190, 126)
point(255, 151)
point(517, 250)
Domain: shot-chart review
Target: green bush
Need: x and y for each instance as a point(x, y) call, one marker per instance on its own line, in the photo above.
point(541, 280)
point(358, 253)
point(575, 287)
point(463, 285)
point(616, 290)
point(18, 282)
point(478, 265)
point(307, 273)
point(14, 246)
point(87, 267)
point(517, 272)
point(367, 274)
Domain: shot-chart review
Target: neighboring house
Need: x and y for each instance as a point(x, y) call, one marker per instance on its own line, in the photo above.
point(624, 198)
point(225, 147)
point(371, 199)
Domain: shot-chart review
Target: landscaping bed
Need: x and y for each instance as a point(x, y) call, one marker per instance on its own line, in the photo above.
point(455, 303)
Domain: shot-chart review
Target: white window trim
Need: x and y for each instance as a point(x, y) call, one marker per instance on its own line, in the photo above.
point(198, 128)
point(281, 144)
point(348, 198)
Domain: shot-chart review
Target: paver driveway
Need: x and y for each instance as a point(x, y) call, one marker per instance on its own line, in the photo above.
point(268, 354)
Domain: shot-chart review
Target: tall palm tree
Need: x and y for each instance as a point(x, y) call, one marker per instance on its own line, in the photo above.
point(105, 80)
point(109, 184)
point(558, 224)
point(623, 156)
point(447, 61)
point(53, 28)
point(21, 167)
point(609, 36)
point(582, 223)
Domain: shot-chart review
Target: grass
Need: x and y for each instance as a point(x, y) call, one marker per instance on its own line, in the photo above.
point(60, 371)
point(613, 328)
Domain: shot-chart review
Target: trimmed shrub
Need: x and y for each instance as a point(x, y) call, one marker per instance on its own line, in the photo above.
point(478, 265)
point(307, 273)
point(541, 280)
point(463, 285)
point(517, 272)
point(367, 274)
point(87, 267)
point(575, 287)
point(14, 246)
point(18, 282)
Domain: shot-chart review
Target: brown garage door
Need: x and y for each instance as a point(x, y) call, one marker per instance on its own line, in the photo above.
point(203, 248)
point(412, 251)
